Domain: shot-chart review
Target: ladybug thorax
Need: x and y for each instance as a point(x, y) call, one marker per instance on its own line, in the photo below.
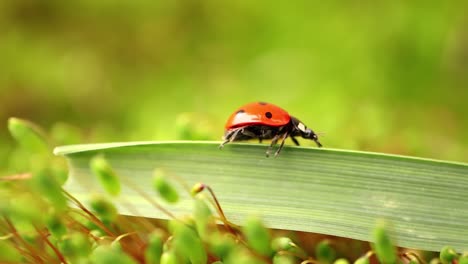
point(301, 127)
point(258, 113)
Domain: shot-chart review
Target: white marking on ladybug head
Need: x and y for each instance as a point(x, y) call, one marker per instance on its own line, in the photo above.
point(301, 127)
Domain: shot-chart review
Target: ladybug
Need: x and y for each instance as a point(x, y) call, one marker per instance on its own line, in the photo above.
point(265, 121)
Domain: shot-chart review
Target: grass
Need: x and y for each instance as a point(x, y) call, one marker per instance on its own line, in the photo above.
point(326, 191)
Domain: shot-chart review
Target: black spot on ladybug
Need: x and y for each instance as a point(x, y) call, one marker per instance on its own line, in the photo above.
point(262, 103)
point(240, 111)
point(268, 115)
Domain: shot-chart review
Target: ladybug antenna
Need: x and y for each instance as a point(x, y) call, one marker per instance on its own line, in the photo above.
point(322, 134)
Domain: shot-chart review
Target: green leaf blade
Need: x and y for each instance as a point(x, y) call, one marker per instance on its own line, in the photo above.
point(327, 191)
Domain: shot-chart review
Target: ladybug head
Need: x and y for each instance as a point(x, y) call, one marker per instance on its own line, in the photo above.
point(304, 131)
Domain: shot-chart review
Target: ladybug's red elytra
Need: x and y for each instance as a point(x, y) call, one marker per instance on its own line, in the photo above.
point(265, 121)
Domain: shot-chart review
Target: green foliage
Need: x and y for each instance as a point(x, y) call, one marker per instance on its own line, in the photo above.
point(221, 245)
point(75, 245)
point(44, 182)
point(241, 255)
point(55, 224)
point(107, 255)
point(281, 243)
point(284, 259)
point(448, 254)
point(341, 261)
point(9, 253)
point(383, 245)
point(413, 260)
point(463, 259)
point(154, 249)
point(106, 175)
point(324, 252)
point(169, 257)
point(187, 243)
point(163, 187)
point(203, 218)
point(58, 170)
point(103, 208)
point(257, 236)
point(25, 209)
point(28, 135)
point(362, 260)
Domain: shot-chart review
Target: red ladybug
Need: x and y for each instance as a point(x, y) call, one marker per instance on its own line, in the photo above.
point(265, 121)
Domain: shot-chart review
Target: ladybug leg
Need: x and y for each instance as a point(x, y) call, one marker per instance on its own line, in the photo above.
point(283, 139)
point(230, 136)
point(295, 140)
point(273, 142)
point(248, 133)
point(266, 134)
point(224, 143)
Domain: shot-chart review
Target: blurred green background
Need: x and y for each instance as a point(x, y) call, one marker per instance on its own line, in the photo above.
point(387, 76)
